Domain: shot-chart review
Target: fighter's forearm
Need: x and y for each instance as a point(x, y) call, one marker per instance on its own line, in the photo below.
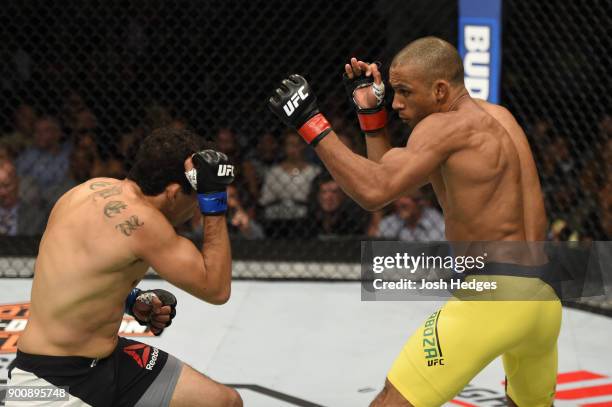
point(377, 144)
point(216, 251)
point(359, 177)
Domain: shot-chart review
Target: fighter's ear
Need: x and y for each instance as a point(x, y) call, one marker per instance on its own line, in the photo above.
point(441, 89)
point(172, 191)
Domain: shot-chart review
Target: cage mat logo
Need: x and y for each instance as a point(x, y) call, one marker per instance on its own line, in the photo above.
point(14, 318)
point(578, 388)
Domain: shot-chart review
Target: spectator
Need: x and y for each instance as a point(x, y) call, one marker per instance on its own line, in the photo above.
point(82, 162)
point(558, 174)
point(47, 160)
point(108, 164)
point(5, 153)
point(261, 160)
point(246, 179)
point(22, 134)
point(239, 223)
point(333, 213)
point(284, 195)
point(595, 172)
point(128, 145)
point(412, 220)
point(73, 104)
point(16, 216)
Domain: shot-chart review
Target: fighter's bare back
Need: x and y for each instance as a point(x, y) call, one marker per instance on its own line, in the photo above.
point(84, 270)
point(488, 186)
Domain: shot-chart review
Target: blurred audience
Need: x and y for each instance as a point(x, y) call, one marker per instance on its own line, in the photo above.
point(333, 213)
point(226, 141)
point(239, 223)
point(284, 195)
point(82, 162)
point(46, 161)
point(17, 217)
point(22, 134)
point(265, 155)
point(72, 105)
point(279, 186)
point(412, 220)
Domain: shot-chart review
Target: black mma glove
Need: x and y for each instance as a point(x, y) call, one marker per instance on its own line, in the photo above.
point(295, 104)
point(210, 176)
point(371, 119)
point(146, 297)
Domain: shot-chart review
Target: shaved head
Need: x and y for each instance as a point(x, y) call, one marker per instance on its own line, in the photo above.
point(436, 58)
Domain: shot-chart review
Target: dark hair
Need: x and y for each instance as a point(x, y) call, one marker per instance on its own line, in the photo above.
point(161, 157)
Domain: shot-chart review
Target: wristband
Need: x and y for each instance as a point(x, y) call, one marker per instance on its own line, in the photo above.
point(130, 300)
point(372, 121)
point(214, 203)
point(315, 129)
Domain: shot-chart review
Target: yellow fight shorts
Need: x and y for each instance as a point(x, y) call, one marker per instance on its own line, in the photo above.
point(459, 340)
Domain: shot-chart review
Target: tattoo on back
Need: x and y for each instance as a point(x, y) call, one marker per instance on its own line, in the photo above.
point(114, 208)
point(99, 184)
point(128, 226)
point(105, 193)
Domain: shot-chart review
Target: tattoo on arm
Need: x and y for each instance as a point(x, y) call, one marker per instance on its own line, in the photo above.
point(114, 208)
point(105, 193)
point(129, 225)
point(99, 184)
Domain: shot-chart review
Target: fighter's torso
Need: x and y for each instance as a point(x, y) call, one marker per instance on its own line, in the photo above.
point(84, 271)
point(481, 185)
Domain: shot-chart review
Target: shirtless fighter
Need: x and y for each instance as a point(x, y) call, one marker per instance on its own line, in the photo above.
point(479, 163)
point(100, 239)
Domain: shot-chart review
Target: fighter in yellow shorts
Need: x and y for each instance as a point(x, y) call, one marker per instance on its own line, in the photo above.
point(460, 339)
point(478, 160)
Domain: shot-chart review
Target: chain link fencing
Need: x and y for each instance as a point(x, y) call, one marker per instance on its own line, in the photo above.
point(84, 82)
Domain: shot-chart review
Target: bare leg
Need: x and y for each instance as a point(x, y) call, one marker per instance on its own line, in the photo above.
point(390, 397)
point(195, 389)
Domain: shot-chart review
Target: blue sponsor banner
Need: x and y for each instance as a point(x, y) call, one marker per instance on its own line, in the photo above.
point(480, 47)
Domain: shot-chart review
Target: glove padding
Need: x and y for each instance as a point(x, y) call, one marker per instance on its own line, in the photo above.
point(212, 172)
point(295, 104)
point(142, 299)
point(374, 118)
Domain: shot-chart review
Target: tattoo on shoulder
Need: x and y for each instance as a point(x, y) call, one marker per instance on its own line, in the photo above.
point(99, 184)
point(113, 208)
point(128, 226)
point(105, 193)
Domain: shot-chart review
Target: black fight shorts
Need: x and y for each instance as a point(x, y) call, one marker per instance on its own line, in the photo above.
point(135, 374)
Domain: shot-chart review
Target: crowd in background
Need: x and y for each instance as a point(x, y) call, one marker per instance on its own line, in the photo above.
point(281, 191)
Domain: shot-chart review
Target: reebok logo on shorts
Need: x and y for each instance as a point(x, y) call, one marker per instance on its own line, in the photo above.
point(142, 354)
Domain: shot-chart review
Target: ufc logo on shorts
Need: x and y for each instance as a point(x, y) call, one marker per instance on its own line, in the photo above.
point(225, 169)
point(294, 102)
